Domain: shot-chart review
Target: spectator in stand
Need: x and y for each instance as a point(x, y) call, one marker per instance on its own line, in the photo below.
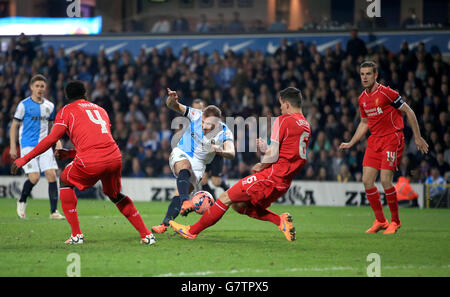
point(411, 20)
point(122, 82)
point(203, 25)
point(356, 47)
point(436, 182)
point(161, 26)
point(236, 24)
point(278, 26)
point(221, 25)
point(180, 24)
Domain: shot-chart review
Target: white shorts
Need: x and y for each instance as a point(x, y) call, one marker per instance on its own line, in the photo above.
point(197, 166)
point(41, 163)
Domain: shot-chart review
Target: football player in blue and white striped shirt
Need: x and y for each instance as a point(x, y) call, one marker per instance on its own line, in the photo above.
point(33, 117)
point(205, 137)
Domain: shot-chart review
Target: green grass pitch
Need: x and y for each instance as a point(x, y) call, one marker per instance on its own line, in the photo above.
point(330, 242)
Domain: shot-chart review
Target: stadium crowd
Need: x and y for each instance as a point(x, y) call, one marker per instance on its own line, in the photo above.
point(133, 92)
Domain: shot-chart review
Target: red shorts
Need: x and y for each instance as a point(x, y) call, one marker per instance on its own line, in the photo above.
point(258, 189)
point(84, 177)
point(384, 152)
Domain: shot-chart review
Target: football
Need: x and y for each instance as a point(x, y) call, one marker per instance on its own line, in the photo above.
point(202, 201)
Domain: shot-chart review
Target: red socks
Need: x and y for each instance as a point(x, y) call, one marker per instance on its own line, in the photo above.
point(127, 208)
point(260, 213)
point(391, 197)
point(375, 202)
point(209, 218)
point(69, 206)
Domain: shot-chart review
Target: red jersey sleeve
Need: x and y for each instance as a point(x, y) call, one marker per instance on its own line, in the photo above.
point(62, 118)
point(278, 132)
point(362, 112)
point(393, 96)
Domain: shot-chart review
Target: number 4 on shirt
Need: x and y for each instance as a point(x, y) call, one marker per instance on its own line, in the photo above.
point(98, 120)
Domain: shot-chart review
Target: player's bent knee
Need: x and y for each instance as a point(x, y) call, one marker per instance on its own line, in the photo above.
point(386, 184)
point(62, 184)
point(50, 175)
point(34, 177)
point(183, 164)
point(115, 198)
point(368, 182)
point(225, 199)
point(239, 206)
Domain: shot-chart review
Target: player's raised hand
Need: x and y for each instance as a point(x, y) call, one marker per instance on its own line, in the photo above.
point(344, 145)
point(421, 144)
point(172, 95)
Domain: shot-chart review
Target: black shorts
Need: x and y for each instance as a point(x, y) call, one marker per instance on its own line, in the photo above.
point(215, 167)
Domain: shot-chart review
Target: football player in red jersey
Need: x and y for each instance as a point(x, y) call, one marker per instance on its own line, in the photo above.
point(281, 162)
point(96, 157)
point(381, 113)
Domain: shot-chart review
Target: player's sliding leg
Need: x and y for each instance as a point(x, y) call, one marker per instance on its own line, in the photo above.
point(209, 218)
point(373, 196)
point(283, 221)
point(257, 212)
point(127, 208)
point(69, 205)
point(386, 177)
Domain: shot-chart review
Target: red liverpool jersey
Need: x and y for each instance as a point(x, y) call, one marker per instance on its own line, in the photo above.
point(380, 107)
point(88, 127)
point(292, 132)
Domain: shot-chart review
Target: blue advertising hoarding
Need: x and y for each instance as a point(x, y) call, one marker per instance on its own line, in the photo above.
point(268, 43)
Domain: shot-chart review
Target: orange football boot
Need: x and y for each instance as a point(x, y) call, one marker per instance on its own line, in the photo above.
point(392, 228)
point(186, 208)
point(287, 227)
point(160, 228)
point(182, 230)
point(377, 226)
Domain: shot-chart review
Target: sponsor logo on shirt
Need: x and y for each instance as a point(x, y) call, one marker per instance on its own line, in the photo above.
point(40, 118)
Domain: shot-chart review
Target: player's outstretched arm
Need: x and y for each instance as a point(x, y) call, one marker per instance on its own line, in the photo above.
point(360, 132)
point(173, 104)
point(421, 144)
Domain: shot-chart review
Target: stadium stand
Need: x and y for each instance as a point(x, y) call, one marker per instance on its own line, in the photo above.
point(132, 90)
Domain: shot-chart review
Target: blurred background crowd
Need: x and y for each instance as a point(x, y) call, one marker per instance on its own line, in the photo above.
point(133, 92)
